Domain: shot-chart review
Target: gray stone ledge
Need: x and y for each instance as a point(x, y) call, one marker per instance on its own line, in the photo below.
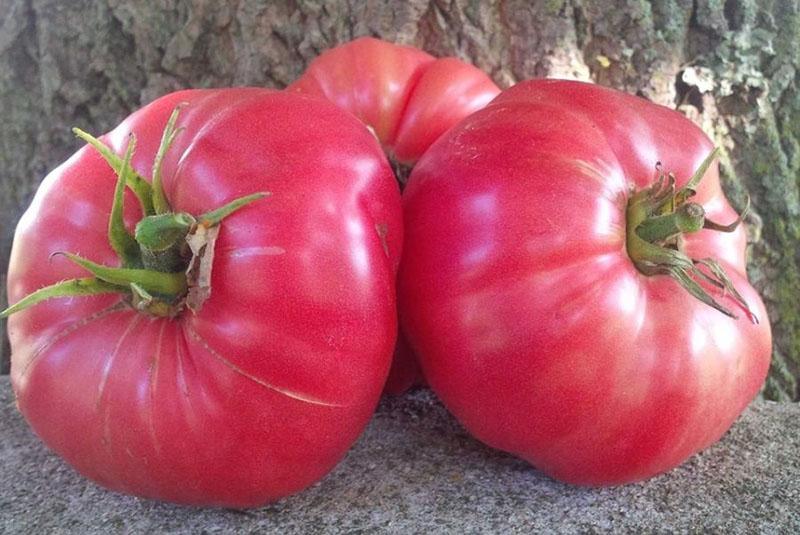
point(416, 471)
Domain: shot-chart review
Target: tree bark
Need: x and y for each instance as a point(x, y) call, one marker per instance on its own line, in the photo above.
point(731, 66)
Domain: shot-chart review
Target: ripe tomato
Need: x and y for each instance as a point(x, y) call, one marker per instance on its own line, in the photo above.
point(409, 99)
point(260, 391)
point(519, 292)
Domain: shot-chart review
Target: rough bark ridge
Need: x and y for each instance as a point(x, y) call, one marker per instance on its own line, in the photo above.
point(732, 66)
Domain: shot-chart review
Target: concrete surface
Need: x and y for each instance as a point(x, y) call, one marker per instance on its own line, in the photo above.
point(416, 471)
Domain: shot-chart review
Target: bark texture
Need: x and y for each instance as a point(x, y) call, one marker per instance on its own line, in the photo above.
point(732, 66)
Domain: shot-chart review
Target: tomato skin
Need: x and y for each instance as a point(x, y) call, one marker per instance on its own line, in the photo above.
point(261, 392)
point(530, 321)
point(404, 372)
point(408, 97)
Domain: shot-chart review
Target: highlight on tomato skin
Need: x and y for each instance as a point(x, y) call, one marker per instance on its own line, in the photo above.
point(218, 315)
point(408, 98)
point(573, 283)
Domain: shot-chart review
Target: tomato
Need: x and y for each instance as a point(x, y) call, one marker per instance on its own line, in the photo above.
point(409, 99)
point(260, 390)
point(548, 328)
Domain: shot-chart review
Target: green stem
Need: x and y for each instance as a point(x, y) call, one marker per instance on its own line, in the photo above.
point(160, 232)
point(68, 288)
point(156, 282)
point(140, 187)
point(687, 218)
point(162, 241)
point(118, 236)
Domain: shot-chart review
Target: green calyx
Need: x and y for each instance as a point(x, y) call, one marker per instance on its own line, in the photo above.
point(657, 218)
point(155, 260)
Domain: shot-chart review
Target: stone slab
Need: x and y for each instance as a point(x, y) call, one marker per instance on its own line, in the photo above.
point(415, 470)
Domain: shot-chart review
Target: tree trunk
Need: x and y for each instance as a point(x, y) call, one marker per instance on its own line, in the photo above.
point(730, 66)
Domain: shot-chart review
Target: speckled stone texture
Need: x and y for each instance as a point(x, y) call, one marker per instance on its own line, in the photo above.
point(415, 470)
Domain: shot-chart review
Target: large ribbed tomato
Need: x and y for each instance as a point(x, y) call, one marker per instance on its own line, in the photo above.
point(540, 283)
point(409, 99)
point(260, 390)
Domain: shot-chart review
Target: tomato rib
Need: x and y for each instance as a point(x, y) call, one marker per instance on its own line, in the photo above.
point(52, 339)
